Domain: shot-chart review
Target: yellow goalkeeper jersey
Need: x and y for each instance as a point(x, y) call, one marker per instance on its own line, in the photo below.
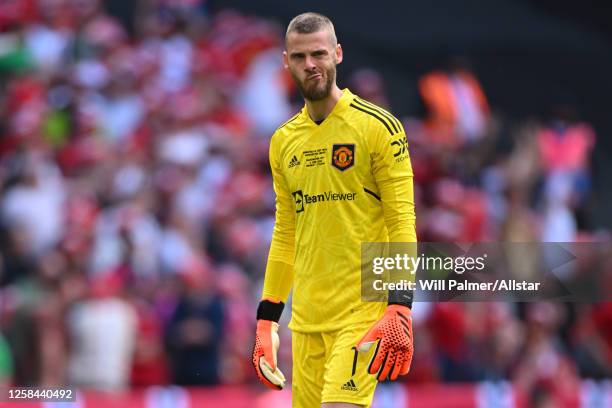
point(339, 183)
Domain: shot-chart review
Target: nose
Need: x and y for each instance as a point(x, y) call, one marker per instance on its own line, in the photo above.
point(309, 63)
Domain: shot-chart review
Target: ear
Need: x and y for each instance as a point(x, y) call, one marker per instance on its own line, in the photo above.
point(338, 53)
point(285, 60)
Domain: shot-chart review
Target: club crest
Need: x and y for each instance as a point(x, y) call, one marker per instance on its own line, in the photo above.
point(343, 156)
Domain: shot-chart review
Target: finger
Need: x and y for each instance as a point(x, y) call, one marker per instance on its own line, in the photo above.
point(276, 378)
point(387, 364)
point(397, 366)
point(267, 341)
point(368, 340)
point(365, 346)
point(269, 383)
point(377, 359)
point(256, 354)
point(406, 364)
point(267, 349)
point(268, 356)
point(262, 377)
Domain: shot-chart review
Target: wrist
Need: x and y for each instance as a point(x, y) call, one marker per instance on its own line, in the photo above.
point(394, 307)
point(401, 297)
point(265, 326)
point(269, 310)
point(405, 304)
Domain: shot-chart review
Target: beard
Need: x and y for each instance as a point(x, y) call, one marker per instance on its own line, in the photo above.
point(318, 90)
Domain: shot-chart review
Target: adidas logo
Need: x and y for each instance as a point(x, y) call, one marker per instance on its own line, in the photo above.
point(350, 386)
point(294, 162)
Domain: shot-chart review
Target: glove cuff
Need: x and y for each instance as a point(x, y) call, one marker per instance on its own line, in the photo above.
point(400, 297)
point(268, 310)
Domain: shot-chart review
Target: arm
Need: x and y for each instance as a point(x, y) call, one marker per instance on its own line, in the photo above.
point(279, 270)
point(393, 175)
point(277, 281)
point(393, 332)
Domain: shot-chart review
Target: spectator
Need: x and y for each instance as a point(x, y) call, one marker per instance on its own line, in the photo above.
point(593, 337)
point(35, 203)
point(457, 108)
point(565, 146)
point(149, 365)
point(102, 332)
point(195, 330)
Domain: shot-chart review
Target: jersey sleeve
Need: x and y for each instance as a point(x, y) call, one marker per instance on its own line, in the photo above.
point(279, 269)
point(393, 176)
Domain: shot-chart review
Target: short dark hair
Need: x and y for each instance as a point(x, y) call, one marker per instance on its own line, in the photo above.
point(307, 23)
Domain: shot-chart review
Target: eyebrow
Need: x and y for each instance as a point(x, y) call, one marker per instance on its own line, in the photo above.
point(320, 51)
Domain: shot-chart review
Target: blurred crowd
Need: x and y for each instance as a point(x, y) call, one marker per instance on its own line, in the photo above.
point(136, 203)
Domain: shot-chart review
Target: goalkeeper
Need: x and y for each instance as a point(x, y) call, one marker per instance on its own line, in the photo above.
point(342, 176)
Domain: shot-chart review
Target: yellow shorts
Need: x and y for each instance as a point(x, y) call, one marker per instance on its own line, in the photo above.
point(327, 368)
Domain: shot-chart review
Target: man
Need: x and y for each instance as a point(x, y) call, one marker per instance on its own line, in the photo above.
point(342, 176)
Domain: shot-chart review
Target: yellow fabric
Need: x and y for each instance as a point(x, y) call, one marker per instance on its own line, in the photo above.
point(325, 369)
point(323, 212)
point(278, 281)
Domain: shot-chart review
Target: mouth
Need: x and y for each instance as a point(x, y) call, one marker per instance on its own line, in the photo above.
point(314, 77)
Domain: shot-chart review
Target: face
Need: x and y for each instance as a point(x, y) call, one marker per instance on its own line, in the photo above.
point(311, 59)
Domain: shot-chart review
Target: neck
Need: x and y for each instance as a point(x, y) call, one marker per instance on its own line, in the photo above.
point(319, 110)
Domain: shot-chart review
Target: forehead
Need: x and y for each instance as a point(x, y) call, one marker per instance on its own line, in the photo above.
point(297, 42)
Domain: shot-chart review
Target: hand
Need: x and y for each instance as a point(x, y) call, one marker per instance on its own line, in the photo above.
point(264, 355)
point(393, 354)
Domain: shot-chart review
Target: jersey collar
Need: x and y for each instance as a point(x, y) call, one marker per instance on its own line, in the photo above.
point(343, 102)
